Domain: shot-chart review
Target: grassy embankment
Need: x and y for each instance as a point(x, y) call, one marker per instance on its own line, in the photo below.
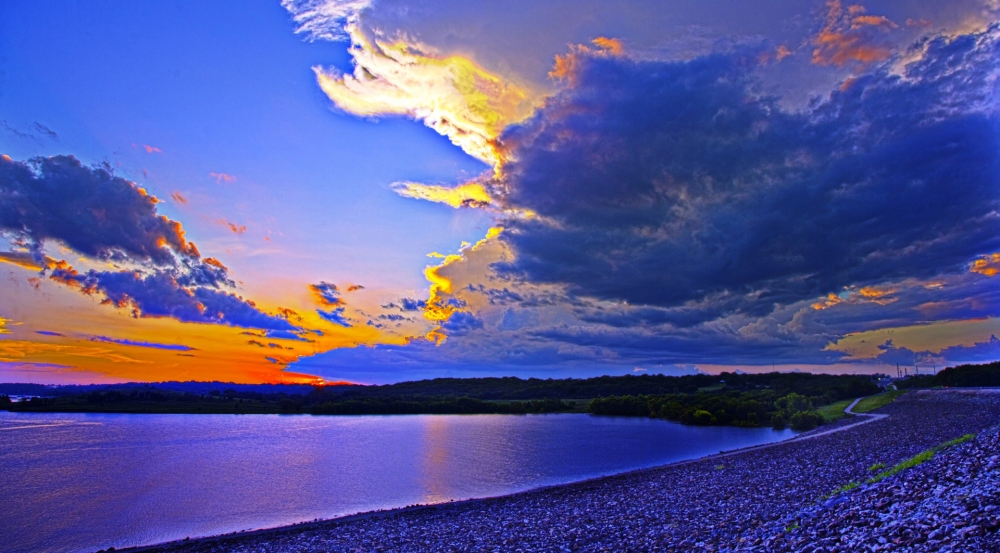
point(834, 411)
point(872, 403)
point(917, 459)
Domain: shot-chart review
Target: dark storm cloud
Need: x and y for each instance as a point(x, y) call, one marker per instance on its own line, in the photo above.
point(161, 294)
point(409, 304)
point(327, 294)
point(141, 344)
point(461, 323)
point(676, 184)
point(106, 217)
point(892, 355)
point(88, 209)
point(988, 350)
point(335, 316)
point(704, 346)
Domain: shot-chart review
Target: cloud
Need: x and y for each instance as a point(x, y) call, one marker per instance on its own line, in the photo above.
point(178, 197)
point(13, 130)
point(461, 323)
point(979, 352)
point(450, 94)
point(329, 295)
point(27, 260)
point(141, 344)
point(851, 36)
point(325, 19)
point(90, 210)
point(746, 233)
point(36, 132)
point(354, 288)
point(285, 335)
point(410, 304)
point(152, 149)
point(442, 303)
point(42, 129)
point(49, 333)
point(186, 297)
point(988, 265)
point(335, 316)
point(111, 219)
point(741, 205)
point(892, 355)
point(222, 177)
point(326, 294)
point(470, 194)
point(233, 227)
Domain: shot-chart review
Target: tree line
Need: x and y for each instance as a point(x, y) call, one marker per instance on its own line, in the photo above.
point(962, 376)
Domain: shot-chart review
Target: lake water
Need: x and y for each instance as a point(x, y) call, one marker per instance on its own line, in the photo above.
point(82, 482)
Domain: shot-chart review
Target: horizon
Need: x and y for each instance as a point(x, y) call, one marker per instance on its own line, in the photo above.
point(369, 192)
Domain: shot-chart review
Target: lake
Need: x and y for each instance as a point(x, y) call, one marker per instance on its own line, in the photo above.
point(82, 482)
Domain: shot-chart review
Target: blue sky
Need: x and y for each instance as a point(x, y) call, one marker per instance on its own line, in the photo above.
point(297, 147)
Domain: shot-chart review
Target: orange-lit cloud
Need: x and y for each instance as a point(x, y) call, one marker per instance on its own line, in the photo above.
point(450, 94)
point(881, 295)
point(236, 229)
point(152, 149)
point(326, 294)
point(178, 197)
point(851, 36)
point(440, 304)
point(470, 194)
point(215, 263)
point(222, 177)
point(18, 350)
point(355, 288)
point(567, 65)
point(988, 265)
point(26, 260)
point(612, 45)
point(290, 314)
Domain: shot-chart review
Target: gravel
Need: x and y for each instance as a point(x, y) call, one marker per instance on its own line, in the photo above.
point(764, 499)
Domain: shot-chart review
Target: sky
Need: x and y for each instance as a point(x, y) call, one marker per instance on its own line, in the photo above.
point(375, 191)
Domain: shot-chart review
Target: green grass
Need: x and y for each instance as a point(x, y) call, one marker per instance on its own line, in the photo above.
point(845, 488)
point(834, 411)
point(872, 403)
point(919, 458)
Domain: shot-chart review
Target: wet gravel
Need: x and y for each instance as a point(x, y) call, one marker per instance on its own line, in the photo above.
point(744, 501)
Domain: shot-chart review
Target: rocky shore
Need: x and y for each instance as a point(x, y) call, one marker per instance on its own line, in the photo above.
point(949, 503)
point(766, 499)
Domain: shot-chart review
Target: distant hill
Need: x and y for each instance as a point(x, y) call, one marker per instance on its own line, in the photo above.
point(193, 387)
point(494, 388)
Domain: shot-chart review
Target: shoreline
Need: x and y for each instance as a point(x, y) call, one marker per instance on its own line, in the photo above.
point(837, 426)
point(696, 504)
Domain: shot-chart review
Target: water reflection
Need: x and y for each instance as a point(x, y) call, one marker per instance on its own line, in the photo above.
point(83, 482)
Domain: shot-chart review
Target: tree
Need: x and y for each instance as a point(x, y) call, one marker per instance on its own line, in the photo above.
point(778, 422)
